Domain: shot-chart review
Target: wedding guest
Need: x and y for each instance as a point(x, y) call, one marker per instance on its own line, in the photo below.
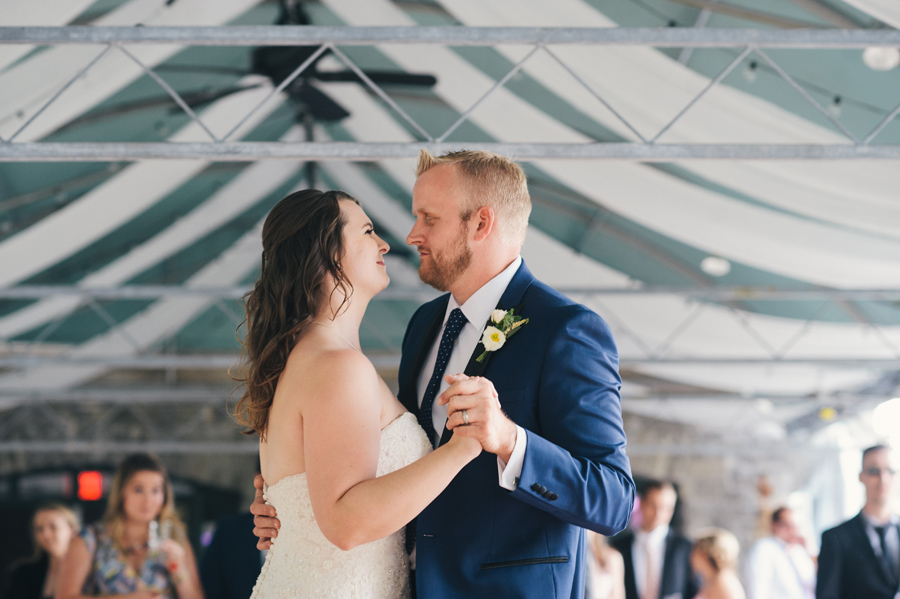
point(52, 527)
point(861, 557)
point(780, 566)
point(140, 549)
point(657, 558)
point(715, 558)
point(606, 571)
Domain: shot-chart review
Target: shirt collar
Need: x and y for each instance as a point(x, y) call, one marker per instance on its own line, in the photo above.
point(478, 308)
point(893, 521)
point(655, 537)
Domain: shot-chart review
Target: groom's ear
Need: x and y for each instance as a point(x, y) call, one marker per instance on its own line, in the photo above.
point(484, 220)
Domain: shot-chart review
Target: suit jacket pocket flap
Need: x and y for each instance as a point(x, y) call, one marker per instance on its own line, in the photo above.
point(562, 559)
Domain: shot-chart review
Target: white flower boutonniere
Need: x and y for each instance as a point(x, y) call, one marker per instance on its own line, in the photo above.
point(493, 338)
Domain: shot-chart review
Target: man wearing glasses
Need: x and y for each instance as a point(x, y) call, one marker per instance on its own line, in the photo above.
point(861, 557)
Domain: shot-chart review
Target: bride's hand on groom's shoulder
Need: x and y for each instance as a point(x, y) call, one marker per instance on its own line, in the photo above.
point(265, 524)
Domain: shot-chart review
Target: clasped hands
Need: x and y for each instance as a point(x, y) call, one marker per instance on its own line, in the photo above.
point(487, 424)
point(484, 419)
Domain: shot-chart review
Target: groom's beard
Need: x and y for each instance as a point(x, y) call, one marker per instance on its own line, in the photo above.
point(444, 268)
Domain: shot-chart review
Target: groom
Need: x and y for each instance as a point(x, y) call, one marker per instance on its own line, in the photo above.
point(544, 402)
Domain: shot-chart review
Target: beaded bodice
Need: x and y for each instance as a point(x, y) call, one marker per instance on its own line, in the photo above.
point(303, 563)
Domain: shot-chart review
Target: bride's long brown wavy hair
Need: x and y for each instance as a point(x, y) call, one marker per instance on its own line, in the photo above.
point(302, 245)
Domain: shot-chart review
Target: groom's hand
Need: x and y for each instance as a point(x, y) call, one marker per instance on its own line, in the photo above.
point(486, 420)
point(265, 523)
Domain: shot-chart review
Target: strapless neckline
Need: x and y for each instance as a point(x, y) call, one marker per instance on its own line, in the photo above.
point(302, 563)
point(268, 488)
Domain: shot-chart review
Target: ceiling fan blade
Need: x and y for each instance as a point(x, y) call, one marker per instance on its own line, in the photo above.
point(198, 99)
point(381, 77)
point(293, 13)
point(318, 105)
point(277, 62)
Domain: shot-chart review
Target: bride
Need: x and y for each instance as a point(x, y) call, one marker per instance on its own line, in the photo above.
point(346, 466)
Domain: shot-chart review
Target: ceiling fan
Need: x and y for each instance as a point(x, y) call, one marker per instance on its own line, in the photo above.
point(313, 104)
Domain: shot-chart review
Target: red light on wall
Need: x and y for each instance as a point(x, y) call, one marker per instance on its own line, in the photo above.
point(90, 485)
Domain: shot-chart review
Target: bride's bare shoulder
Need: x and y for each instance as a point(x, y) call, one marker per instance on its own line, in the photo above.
point(312, 360)
point(324, 372)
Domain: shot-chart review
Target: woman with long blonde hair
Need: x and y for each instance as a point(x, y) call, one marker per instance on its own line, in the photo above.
point(140, 550)
point(52, 528)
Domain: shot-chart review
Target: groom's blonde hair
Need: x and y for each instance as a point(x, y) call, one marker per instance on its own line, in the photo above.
point(491, 180)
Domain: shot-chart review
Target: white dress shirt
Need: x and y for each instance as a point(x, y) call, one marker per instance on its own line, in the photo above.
point(477, 311)
point(653, 542)
point(776, 570)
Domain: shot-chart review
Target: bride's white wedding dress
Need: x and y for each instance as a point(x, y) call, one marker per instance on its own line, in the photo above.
point(303, 563)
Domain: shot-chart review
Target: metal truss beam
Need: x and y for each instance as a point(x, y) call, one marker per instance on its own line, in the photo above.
point(124, 448)
point(740, 446)
point(285, 35)
point(89, 428)
point(127, 395)
point(144, 292)
point(157, 362)
point(60, 398)
point(330, 38)
point(838, 398)
point(392, 360)
point(252, 447)
point(373, 151)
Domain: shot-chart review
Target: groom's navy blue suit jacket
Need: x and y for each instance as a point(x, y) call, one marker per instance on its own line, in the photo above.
point(557, 378)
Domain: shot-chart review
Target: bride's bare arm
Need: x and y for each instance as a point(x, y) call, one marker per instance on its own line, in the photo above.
point(341, 413)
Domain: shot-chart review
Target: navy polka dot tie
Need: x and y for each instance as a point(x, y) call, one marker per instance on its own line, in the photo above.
point(451, 331)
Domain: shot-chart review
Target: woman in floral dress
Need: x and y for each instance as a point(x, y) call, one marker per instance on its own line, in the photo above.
point(140, 549)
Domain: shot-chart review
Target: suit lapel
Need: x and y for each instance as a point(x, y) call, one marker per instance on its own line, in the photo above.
point(628, 558)
point(410, 394)
point(863, 539)
point(511, 297)
point(474, 367)
point(665, 579)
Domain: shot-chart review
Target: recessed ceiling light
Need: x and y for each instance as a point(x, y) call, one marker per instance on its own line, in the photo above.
point(715, 266)
point(881, 59)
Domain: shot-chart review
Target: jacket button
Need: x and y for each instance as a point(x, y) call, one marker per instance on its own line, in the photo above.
point(547, 494)
point(542, 490)
point(553, 497)
point(536, 487)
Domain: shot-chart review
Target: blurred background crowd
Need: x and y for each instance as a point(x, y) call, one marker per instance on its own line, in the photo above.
point(130, 538)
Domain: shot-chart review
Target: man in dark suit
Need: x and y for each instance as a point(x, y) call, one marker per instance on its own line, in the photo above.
point(657, 558)
point(861, 557)
point(544, 404)
point(231, 563)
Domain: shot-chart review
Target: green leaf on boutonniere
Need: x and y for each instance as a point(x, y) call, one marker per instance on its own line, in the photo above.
point(504, 324)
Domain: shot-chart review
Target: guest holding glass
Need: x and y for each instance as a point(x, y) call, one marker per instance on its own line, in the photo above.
point(52, 527)
point(140, 550)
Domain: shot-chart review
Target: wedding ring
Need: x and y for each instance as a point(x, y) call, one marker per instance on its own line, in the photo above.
point(465, 418)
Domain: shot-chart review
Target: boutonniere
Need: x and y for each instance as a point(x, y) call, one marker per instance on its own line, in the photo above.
point(504, 325)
